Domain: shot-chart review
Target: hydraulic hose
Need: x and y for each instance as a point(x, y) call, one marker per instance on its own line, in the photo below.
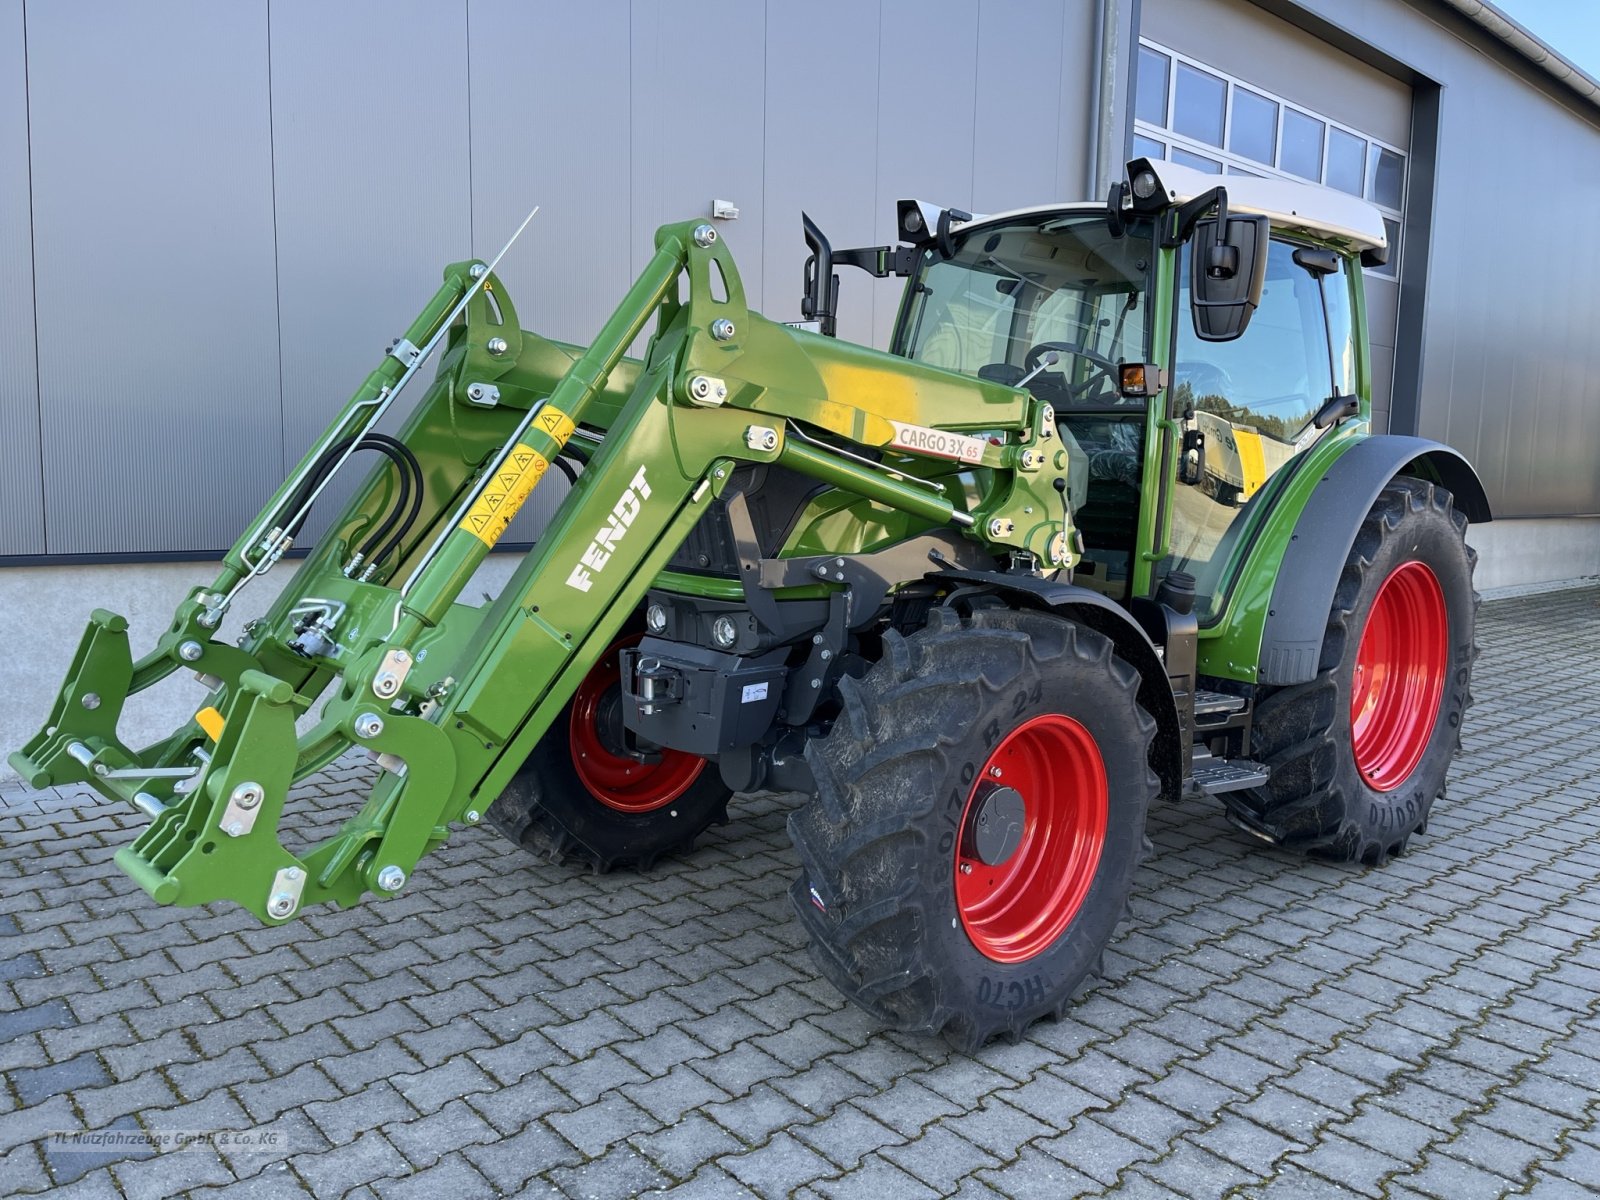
point(410, 472)
point(416, 499)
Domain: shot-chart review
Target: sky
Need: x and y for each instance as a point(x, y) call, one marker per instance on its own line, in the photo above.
point(1572, 27)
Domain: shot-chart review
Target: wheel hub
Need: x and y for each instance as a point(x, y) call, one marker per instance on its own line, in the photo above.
point(1030, 848)
point(1398, 679)
point(994, 826)
point(617, 775)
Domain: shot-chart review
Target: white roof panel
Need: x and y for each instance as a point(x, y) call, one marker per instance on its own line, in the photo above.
point(1307, 206)
point(1310, 207)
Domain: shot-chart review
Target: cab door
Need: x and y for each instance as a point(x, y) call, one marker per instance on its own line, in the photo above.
point(1246, 406)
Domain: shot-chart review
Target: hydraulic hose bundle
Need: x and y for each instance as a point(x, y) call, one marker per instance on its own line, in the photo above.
point(393, 526)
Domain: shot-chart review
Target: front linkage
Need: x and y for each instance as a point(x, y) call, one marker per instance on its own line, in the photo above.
point(449, 699)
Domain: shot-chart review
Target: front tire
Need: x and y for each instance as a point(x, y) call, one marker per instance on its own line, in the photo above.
point(1360, 753)
point(979, 813)
point(581, 794)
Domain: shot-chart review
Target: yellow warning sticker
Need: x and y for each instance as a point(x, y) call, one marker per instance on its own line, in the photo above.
point(556, 423)
point(504, 491)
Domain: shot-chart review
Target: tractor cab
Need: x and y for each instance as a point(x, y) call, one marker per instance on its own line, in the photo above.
point(1193, 340)
point(1055, 301)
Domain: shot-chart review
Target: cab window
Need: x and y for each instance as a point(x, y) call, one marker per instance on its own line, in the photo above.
point(990, 309)
point(1251, 401)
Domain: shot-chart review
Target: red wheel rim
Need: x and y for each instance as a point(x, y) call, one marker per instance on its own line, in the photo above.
point(1399, 676)
point(1018, 908)
point(617, 781)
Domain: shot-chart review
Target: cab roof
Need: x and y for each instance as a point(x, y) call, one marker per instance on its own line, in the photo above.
point(1307, 207)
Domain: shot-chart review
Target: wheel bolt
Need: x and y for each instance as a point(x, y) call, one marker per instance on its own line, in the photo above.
point(966, 868)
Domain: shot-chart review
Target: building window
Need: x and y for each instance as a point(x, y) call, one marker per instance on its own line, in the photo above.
point(1189, 113)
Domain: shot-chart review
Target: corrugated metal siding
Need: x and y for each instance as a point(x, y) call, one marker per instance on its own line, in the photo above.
point(242, 204)
point(1235, 36)
point(1511, 364)
point(237, 206)
point(371, 193)
point(154, 273)
point(822, 142)
point(21, 502)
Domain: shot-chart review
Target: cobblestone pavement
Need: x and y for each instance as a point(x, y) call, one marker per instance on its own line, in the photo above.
point(1266, 1026)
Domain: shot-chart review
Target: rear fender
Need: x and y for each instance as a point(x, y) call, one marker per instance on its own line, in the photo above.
point(1302, 596)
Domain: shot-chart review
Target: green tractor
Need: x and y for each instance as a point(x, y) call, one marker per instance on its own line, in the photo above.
point(1104, 525)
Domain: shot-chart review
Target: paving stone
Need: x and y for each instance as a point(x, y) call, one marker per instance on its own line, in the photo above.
point(847, 1136)
point(939, 1157)
point(40, 1083)
point(756, 1116)
point(509, 1163)
point(1035, 1173)
point(778, 1167)
point(450, 1176)
point(620, 1174)
point(877, 1177)
point(73, 1162)
point(682, 1147)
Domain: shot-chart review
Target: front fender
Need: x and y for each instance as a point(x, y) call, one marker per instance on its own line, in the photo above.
point(1133, 644)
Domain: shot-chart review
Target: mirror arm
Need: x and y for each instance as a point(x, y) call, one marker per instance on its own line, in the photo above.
point(879, 261)
point(1114, 202)
point(1186, 216)
point(1336, 409)
point(821, 284)
point(947, 247)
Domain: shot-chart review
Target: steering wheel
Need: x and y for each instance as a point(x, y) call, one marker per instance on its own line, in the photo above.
point(1099, 362)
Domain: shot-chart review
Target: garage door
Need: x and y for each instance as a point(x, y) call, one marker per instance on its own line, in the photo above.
point(1227, 88)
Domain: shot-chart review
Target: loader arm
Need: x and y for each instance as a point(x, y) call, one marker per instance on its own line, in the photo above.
point(449, 698)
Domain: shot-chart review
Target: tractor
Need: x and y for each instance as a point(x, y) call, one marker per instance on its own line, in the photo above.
point(1104, 526)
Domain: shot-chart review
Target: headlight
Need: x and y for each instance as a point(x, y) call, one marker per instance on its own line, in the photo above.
point(1145, 184)
point(655, 619)
point(724, 632)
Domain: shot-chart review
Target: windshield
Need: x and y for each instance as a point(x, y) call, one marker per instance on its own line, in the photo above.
point(1013, 293)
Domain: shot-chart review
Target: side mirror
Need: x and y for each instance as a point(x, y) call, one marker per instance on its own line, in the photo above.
point(1226, 274)
point(1192, 458)
point(820, 300)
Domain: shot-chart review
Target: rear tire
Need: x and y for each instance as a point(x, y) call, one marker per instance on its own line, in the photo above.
point(1360, 753)
point(580, 796)
point(921, 908)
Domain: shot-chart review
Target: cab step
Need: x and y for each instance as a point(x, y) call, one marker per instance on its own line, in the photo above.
point(1215, 775)
point(1211, 704)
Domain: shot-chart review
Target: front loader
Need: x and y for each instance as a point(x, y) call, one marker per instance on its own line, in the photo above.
point(1105, 524)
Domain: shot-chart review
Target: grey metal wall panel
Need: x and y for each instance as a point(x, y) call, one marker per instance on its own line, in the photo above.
point(1238, 37)
point(698, 123)
point(21, 500)
point(1019, 119)
point(822, 135)
point(927, 78)
point(1078, 106)
point(371, 189)
point(550, 117)
point(372, 198)
point(1510, 364)
point(158, 345)
point(1383, 301)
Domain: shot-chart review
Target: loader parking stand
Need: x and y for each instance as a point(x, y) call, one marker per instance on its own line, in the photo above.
point(1039, 759)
